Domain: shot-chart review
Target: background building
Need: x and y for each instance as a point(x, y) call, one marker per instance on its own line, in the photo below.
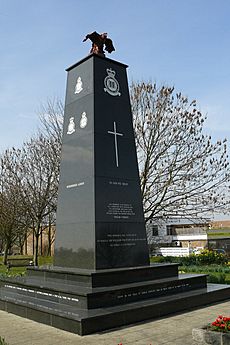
point(194, 234)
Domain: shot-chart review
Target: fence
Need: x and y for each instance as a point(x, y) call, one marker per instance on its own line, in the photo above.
point(172, 251)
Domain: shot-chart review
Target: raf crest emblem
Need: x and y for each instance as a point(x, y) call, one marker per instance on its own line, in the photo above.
point(111, 83)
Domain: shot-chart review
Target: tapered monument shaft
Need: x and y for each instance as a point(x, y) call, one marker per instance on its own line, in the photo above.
point(100, 222)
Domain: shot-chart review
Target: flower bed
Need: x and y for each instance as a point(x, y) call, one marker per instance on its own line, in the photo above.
point(221, 324)
point(216, 333)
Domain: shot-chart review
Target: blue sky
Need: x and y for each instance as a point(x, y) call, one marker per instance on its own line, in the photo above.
point(184, 43)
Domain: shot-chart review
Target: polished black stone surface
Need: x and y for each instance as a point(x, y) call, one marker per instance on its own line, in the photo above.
point(83, 320)
point(88, 298)
point(100, 222)
point(91, 298)
point(104, 278)
point(85, 301)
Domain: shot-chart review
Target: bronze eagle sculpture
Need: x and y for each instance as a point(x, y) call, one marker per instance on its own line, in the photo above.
point(98, 43)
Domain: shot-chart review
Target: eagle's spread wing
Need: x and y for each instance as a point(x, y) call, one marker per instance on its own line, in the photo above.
point(94, 37)
point(109, 45)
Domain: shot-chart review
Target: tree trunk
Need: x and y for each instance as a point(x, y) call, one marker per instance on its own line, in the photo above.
point(21, 248)
point(36, 238)
point(49, 240)
point(33, 240)
point(6, 249)
point(41, 244)
point(36, 244)
point(26, 243)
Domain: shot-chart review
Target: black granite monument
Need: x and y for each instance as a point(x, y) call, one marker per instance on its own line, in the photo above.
point(100, 222)
point(101, 276)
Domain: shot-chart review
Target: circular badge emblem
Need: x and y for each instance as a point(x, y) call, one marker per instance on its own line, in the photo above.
point(111, 84)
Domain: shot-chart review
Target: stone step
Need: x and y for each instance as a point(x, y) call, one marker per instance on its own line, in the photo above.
point(83, 322)
point(89, 298)
point(106, 277)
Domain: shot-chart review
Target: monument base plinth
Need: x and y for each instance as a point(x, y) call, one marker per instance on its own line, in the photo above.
point(105, 277)
point(85, 301)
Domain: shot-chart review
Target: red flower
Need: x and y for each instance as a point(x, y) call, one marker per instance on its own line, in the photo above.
point(222, 324)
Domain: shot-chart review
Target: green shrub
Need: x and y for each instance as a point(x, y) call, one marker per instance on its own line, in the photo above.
point(166, 259)
point(217, 278)
point(160, 259)
point(207, 257)
point(189, 260)
point(206, 269)
point(215, 273)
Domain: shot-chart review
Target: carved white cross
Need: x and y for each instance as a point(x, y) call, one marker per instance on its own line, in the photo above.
point(115, 133)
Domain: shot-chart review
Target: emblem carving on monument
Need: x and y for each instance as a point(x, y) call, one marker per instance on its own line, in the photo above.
point(84, 120)
point(71, 126)
point(111, 83)
point(78, 86)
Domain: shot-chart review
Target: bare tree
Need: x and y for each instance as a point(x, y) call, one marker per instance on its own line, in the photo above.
point(51, 118)
point(13, 214)
point(37, 173)
point(29, 181)
point(182, 171)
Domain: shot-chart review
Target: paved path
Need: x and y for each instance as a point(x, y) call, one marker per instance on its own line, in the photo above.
point(174, 330)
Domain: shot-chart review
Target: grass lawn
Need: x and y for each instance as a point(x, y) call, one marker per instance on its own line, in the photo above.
point(217, 277)
point(219, 274)
point(42, 260)
point(216, 274)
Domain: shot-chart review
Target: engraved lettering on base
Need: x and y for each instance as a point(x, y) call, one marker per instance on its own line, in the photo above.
point(84, 120)
point(71, 126)
point(111, 83)
point(78, 86)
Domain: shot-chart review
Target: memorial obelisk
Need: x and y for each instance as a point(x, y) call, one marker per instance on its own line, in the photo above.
point(100, 222)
